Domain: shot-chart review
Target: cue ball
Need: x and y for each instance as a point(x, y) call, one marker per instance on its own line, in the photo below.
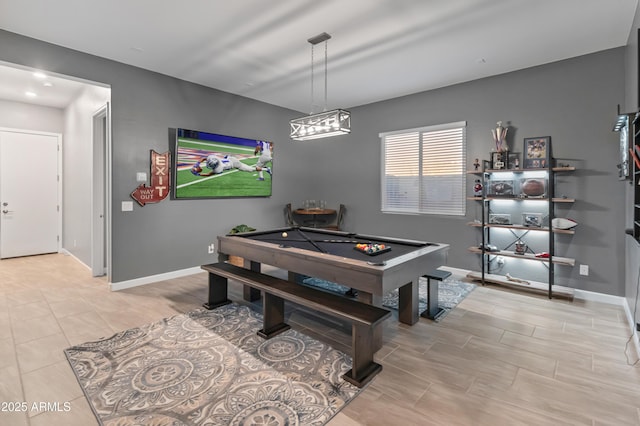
point(284, 235)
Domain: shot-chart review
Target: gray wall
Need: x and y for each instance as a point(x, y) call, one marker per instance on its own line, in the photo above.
point(171, 235)
point(632, 103)
point(573, 101)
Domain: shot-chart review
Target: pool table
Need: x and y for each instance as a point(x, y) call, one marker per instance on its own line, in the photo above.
point(332, 255)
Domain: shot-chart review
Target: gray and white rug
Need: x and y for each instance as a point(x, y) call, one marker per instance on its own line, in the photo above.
point(450, 293)
point(210, 368)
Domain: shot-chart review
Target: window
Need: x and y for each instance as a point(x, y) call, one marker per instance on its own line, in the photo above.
point(423, 170)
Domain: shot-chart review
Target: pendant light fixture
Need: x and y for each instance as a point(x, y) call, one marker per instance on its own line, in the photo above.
point(323, 124)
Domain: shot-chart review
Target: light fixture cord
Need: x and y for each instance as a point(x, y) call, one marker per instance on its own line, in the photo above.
point(311, 107)
point(325, 74)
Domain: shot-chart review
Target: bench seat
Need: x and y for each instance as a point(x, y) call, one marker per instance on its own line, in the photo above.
point(364, 318)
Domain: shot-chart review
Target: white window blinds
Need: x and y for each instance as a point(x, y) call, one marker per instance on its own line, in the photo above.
point(423, 170)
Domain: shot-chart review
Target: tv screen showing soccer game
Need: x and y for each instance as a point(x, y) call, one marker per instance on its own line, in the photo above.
point(208, 165)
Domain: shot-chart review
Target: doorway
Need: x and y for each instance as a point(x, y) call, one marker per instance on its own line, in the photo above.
point(30, 211)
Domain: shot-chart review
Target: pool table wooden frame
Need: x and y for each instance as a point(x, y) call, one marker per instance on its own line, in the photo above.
point(372, 281)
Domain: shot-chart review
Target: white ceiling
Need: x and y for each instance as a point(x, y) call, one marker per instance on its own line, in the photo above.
point(380, 49)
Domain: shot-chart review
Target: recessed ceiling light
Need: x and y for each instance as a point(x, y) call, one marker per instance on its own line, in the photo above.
point(47, 84)
point(31, 94)
point(39, 74)
point(137, 49)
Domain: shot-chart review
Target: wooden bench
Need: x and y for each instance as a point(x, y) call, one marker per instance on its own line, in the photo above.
point(364, 318)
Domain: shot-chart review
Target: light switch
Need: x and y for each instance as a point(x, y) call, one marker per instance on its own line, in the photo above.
point(127, 206)
point(141, 177)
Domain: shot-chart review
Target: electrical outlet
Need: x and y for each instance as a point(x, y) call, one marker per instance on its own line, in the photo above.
point(584, 269)
point(212, 248)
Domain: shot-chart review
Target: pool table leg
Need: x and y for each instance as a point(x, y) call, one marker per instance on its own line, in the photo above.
point(408, 311)
point(251, 294)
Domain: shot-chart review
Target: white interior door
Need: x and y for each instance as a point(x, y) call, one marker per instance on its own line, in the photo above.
point(29, 207)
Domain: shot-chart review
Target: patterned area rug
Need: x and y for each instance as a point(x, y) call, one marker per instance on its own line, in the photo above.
point(450, 293)
point(210, 368)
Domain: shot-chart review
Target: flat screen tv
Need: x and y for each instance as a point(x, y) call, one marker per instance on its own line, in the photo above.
point(208, 165)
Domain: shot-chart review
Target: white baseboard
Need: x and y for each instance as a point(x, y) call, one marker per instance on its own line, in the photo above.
point(66, 252)
point(598, 297)
point(154, 278)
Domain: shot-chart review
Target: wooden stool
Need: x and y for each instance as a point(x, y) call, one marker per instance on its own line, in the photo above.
point(433, 311)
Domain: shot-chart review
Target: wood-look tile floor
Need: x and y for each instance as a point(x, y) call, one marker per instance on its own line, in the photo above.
point(499, 358)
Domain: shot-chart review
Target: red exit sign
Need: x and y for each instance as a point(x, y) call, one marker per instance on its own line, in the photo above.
point(160, 180)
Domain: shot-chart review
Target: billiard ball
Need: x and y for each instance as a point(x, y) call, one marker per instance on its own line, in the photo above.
point(284, 235)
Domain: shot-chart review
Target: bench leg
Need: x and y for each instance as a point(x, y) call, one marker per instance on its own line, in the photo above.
point(251, 294)
point(363, 368)
point(273, 316)
point(217, 292)
point(433, 311)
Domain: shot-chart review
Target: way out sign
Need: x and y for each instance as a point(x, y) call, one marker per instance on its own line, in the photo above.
point(160, 178)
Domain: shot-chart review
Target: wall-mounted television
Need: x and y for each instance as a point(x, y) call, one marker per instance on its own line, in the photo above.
point(209, 165)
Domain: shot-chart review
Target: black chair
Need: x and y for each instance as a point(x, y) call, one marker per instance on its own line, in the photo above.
point(337, 225)
point(288, 216)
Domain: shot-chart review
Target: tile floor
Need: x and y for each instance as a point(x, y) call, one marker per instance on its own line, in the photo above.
point(499, 358)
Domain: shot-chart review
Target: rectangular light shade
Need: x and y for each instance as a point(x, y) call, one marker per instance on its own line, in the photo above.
point(321, 125)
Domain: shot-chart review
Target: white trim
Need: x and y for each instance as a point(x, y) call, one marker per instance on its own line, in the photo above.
point(598, 297)
point(54, 74)
point(66, 252)
point(122, 285)
point(434, 128)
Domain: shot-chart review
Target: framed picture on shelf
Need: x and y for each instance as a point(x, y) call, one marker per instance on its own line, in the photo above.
point(500, 219)
point(514, 160)
point(500, 188)
point(533, 220)
point(499, 160)
point(537, 152)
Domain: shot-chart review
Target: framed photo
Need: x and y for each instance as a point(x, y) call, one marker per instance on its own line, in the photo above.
point(499, 160)
point(500, 219)
point(537, 152)
point(209, 165)
point(514, 161)
point(533, 220)
point(500, 188)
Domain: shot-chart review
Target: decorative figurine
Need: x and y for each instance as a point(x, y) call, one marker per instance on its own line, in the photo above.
point(476, 164)
point(516, 163)
point(477, 188)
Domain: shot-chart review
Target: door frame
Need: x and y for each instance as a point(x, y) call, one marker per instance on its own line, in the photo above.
point(58, 136)
point(101, 191)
